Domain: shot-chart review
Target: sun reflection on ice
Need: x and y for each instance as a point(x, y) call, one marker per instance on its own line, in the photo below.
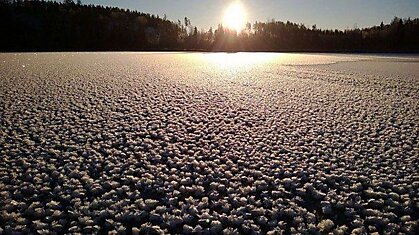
point(235, 60)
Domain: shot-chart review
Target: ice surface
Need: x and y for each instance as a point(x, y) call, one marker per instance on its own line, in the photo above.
point(203, 142)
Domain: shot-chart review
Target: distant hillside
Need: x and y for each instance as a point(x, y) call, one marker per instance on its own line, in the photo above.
point(52, 26)
point(36, 25)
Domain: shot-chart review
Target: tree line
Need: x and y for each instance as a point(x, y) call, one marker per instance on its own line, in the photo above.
point(71, 26)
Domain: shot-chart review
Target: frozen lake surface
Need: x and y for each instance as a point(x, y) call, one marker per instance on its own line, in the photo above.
point(209, 142)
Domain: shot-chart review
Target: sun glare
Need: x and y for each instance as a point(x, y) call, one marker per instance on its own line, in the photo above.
point(237, 61)
point(235, 17)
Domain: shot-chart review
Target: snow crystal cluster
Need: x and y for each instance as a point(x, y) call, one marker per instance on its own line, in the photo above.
point(155, 144)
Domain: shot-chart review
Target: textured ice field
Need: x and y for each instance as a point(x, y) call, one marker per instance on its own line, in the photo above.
point(209, 143)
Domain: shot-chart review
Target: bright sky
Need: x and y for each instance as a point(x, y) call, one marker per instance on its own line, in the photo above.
point(328, 14)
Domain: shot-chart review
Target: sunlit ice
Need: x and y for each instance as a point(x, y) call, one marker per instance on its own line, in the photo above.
point(235, 16)
point(241, 60)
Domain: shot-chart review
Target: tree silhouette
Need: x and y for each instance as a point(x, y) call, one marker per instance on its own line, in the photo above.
point(52, 26)
point(68, 2)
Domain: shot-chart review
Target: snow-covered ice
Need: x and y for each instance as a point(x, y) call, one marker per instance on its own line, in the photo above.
point(209, 143)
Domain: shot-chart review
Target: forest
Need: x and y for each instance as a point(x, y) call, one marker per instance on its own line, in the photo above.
point(72, 26)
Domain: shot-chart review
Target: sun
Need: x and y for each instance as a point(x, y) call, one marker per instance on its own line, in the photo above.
point(235, 17)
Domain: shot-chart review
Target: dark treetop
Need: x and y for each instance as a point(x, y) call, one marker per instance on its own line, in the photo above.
point(52, 26)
